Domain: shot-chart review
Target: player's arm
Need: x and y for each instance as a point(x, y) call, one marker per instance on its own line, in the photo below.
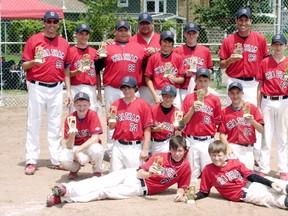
point(152, 89)
point(225, 63)
point(187, 117)
point(223, 138)
point(201, 195)
point(71, 140)
point(67, 85)
point(142, 174)
point(259, 127)
point(99, 91)
point(173, 79)
point(179, 197)
point(26, 65)
point(75, 72)
point(259, 95)
point(146, 144)
point(257, 178)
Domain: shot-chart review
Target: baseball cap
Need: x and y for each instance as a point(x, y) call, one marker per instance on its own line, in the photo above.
point(236, 85)
point(129, 81)
point(122, 23)
point(169, 90)
point(244, 12)
point(279, 38)
point(202, 72)
point(166, 35)
point(83, 27)
point(145, 17)
point(51, 15)
point(81, 96)
point(190, 26)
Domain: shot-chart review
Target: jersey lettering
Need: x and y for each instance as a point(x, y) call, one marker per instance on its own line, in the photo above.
point(124, 56)
point(229, 176)
point(161, 69)
point(238, 121)
point(128, 116)
point(250, 48)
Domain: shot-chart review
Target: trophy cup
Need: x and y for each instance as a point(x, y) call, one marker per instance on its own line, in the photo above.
point(72, 124)
point(159, 161)
point(191, 195)
point(102, 51)
point(193, 64)
point(178, 116)
point(200, 95)
point(167, 69)
point(39, 54)
point(113, 111)
point(246, 109)
point(238, 50)
point(86, 62)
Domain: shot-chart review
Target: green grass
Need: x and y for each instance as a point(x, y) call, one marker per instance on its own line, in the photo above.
point(16, 58)
point(14, 92)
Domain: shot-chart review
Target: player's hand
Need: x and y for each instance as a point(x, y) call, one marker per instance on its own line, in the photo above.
point(99, 98)
point(159, 127)
point(276, 187)
point(230, 152)
point(68, 99)
point(110, 41)
point(197, 104)
point(188, 73)
point(171, 78)
point(153, 169)
point(144, 155)
point(157, 99)
point(249, 118)
point(234, 57)
point(179, 197)
point(150, 50)
point(37, 63)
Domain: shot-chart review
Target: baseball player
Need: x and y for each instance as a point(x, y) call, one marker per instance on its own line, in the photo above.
point(200, 118)
point(85, 78)
point(237, 183)
point(46, 61)
point(273, 100)
point(237, 130)
point(164, 118)
point(83, 144)
point(165, 67)
point(149, 39)
point(132, 128)
point(192, 50)
point(149, 179)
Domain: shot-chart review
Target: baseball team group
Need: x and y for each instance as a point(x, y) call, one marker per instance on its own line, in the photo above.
point(164, 123)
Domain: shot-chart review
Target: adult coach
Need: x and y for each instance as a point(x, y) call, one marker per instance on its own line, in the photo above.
point(85, 80)
point(45, 88)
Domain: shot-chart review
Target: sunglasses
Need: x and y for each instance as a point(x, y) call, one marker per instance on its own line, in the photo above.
point(52, 21)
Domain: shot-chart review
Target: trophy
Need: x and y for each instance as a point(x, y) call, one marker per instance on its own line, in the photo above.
point(72, 124)
point(238, 50)
point(193, 64)
point(159, 161)
point(102, 51)
point(39, 54)
point(167, 69)
point(200, 95)
point(246, 109)
point(113, 111)
point(86, 62)
point(190, 193)
point(178, 116)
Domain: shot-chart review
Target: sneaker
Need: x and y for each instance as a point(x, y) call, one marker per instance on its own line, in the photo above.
point(30, 169)
point(97, 174)
point(72, 175)
point(59, 190)
point(56, 167)
point(52, 200)
point(261, 174)
point(284, 176)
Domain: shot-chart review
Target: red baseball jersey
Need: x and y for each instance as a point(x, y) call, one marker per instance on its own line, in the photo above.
point(87, 127)
point(132, 119)
point(89, 76)
point(171, 173)
point(238, 130)
point(205, 118)
point(123, 61)
point(167, 120)
point(156, 67)
point(254, 50)
point(272, 77)
point(56, 54)
point(203, 55)
point(228, 180)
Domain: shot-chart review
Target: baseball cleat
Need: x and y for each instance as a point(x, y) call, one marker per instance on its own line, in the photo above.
point(30, 169)
point(59, 190)
point(97, 174)
point(52, 200)
point(73, 175)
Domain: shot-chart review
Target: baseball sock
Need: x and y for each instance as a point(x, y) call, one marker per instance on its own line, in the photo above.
point(287, 189)
point(286, 201)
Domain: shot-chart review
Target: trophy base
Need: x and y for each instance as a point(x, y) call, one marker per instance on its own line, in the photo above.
point(286, 77)
point(237, 55)
point(246, 115)
point(112, 121)
point(38, 60)
point(190, 201)
point(85, 68)
point(176, 124)
point(102, 55)
point(165, 75)
point(193, 70)
point(74, 130)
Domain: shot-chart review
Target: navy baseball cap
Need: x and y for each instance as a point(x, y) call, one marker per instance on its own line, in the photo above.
point(83, 27)
point(129, 81)
point(279, 38)
point(145, 17)
point(51, 15)
point(81, 96)
point(202, 72)
point(190, 26)
point(167, 35)
point(169, 90)
point(235, 85)
point(122, 23)
point(244, 12)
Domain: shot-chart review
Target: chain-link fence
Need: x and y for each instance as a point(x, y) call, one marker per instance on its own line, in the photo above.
point(20, 19)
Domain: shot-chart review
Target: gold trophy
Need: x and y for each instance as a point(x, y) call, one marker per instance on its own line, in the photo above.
point(168, 69)
point(39, 54)
point(193, 64)
point(102, 51)
point(238, 50)
point(190, 193)
point(86, 62)
point(159, 161)
point(178, 116)
point(72, 124)
point(113, 112)
point(200, 95)
point(246, 109)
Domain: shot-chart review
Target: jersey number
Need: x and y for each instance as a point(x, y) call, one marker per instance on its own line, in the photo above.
point(131, 67)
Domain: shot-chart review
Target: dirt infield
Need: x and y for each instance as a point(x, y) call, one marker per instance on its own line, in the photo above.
point(26, 195)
